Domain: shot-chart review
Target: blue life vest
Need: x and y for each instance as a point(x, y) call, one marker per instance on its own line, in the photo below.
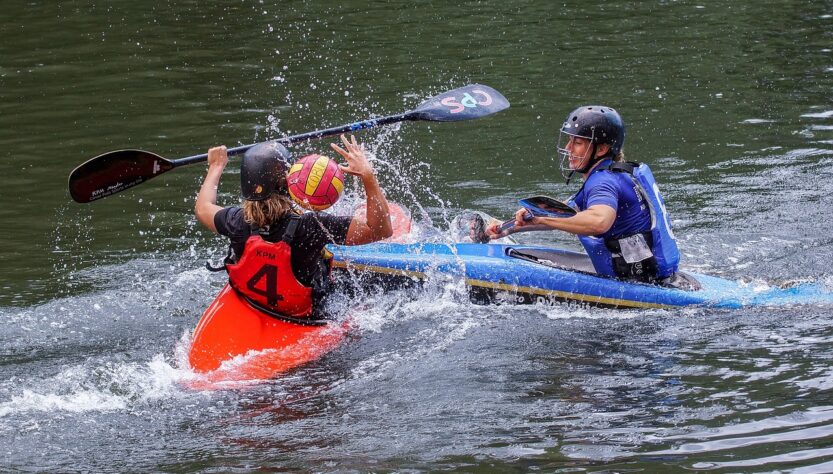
point(663, 245)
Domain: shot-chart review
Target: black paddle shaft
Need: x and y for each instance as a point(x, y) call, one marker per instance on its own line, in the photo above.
point(118, 170)
point(115, 171)
point(363, 125)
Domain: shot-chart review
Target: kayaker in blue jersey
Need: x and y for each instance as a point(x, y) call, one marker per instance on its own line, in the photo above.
point(268, 236)
point(622, 222)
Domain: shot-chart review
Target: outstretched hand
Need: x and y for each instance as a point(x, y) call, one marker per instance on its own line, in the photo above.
point(353, 152)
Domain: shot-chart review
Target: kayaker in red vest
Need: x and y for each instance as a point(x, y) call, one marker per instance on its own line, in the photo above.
point(276, 258)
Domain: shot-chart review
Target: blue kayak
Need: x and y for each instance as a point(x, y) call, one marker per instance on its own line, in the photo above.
point(497, 273)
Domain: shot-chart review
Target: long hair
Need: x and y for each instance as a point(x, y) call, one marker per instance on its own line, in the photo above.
point(266, 212)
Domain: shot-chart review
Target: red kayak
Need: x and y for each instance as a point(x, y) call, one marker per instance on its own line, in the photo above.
point(234, 341)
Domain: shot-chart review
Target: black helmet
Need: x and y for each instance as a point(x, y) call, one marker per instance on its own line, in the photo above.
point(599, 124)
point(263, 171)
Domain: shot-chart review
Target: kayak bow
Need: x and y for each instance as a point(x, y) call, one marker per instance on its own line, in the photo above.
point(235, 341)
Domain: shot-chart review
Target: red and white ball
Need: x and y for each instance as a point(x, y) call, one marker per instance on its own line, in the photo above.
point(315, 182)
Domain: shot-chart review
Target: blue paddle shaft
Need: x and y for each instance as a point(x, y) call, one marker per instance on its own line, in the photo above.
point(352, 127)
point(464, 103)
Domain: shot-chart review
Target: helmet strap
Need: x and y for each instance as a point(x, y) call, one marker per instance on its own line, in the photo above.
point(590, 163)
point(570, 176)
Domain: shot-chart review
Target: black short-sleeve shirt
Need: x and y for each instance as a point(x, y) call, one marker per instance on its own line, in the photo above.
point(315, 230)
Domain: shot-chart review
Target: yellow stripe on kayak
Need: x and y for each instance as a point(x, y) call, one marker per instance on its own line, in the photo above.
point(592, 299)
point(565, 295)
point(387, 271)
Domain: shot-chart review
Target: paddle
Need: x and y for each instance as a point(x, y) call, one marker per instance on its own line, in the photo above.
point(118, 170)
point(538, 206)
point(547, 207)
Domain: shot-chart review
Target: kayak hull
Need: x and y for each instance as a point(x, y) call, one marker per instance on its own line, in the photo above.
point(235, 341)
point(496, 273)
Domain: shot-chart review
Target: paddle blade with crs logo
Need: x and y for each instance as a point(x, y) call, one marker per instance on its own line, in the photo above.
point(464, 103)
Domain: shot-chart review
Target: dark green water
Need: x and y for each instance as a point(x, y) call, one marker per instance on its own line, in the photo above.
point(730, 102)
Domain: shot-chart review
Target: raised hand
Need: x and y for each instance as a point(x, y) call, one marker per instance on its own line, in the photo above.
point(353, 152)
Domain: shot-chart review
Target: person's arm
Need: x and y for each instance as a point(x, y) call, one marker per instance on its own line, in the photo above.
point(206, 206)
point(595, 220)
point(377, 226)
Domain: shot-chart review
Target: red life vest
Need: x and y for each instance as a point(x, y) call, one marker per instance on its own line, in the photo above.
point(264, 275)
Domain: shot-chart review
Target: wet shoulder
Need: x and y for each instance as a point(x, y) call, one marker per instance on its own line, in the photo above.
point(230, 222)
point(603, 176)
point(606, 179)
